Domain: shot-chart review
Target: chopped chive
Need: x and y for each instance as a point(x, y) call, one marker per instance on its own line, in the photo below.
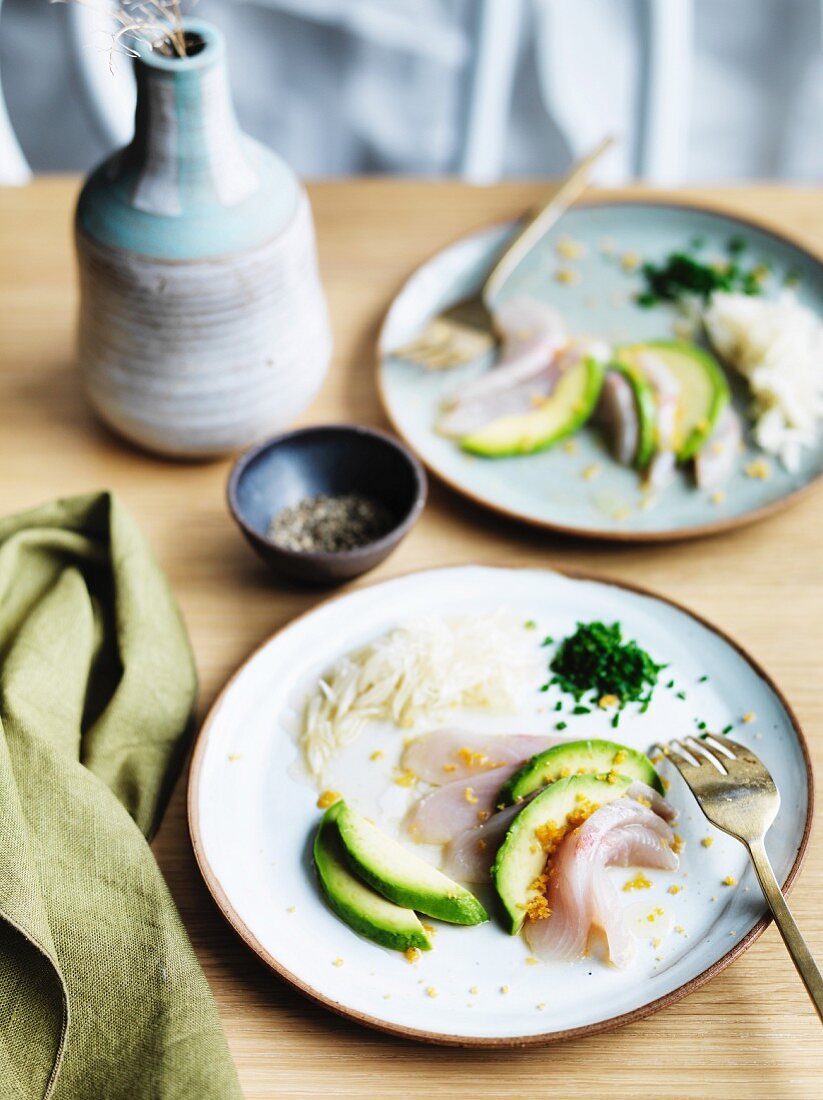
point(616, 720)
point(548, 640)
point(702, 679)
point(545, 687)
point(681, 695)
point(735, 245)
point(530, 624)
point(581, 710)
point(560, 726)
point(558, 705)
point(728, 729)
point(670, 684)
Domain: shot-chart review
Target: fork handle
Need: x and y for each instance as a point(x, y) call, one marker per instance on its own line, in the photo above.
point(540, 220)
point(792, 937)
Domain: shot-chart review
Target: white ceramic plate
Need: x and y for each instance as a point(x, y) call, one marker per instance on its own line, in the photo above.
point(253, 815)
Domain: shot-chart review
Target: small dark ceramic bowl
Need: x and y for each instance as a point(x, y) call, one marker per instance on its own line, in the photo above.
point(331, 459)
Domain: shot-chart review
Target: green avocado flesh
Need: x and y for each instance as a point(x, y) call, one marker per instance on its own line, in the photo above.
point(574, 758)
point(522, 858)
point(401, 876)
point(565, 410)
point(644, 401)
point(357, 905)
point(704, 390)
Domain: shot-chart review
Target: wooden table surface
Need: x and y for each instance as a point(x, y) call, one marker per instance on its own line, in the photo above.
point(751, 1032)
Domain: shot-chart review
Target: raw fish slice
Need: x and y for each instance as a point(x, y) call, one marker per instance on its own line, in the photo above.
point(616, 413)
point(579, 893)
point(471, 413)
point(532, 335)
point(642, 791)
point(468, 858)
point(714, 462)
point(667, 396)
point(581, 348)
point(446, 755)
point(525, 373)
point(441, 815)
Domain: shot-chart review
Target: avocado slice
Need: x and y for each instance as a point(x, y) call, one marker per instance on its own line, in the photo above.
point(576, 758)
point(643, 393)
point(566, 409)
point(522, 857)
point(401, 876)
point(704, 390)
point(357, 905)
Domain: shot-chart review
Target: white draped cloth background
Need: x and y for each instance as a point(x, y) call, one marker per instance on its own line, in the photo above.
point(360, 86)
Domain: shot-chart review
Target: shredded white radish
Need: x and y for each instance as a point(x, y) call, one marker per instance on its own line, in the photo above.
point(417, 674)
point(777, 346)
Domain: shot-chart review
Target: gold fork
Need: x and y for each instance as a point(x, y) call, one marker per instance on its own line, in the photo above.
point(737, 794)
point(465, 331)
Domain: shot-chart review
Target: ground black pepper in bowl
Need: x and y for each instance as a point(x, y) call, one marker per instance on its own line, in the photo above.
point(330, 524)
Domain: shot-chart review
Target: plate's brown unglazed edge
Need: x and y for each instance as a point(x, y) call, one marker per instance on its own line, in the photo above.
point(438, 1038)
point(597, 534)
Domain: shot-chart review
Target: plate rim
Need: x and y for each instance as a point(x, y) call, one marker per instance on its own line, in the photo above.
point(599, 1027)
point(607, 197)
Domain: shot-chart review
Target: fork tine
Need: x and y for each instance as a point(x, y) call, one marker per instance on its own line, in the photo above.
point(679, 756)
point(736, 750)
point(699, 749)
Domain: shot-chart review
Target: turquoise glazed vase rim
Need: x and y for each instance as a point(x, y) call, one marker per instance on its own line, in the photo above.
point(212, 51)
point(190, 185)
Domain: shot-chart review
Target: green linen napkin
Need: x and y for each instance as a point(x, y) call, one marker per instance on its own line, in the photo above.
point(101, 996)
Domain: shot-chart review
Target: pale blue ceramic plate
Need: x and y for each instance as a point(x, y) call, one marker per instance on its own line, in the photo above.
point(549, 489)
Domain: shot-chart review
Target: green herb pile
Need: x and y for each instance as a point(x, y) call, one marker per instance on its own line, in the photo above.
point(597, 659)
point(682, 275)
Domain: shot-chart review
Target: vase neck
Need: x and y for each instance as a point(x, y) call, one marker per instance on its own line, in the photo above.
point(187, 154)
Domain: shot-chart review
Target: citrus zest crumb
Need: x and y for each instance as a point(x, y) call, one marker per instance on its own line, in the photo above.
point(328, 798)
point(679, 844)
point(718, 497)
point(233, 757)
point(655, 913)
point(504, 989)
point(405, 778)
point(674, 889)
point(570, 447)
point(630, 261)
point(591, 472)
point(639, 882)
point(570, 249)
point(568, 276)
point(337, 962)
point(611, 701)
point(749, 717)
point(470, 796)
point(532, 961)
point(730, 880)
point(473, 989)
point(411, 954)
point(680, 930)
point(759, 470)
point(431, 991)
point(707, 841)
point(376, 755)
point(449, 768)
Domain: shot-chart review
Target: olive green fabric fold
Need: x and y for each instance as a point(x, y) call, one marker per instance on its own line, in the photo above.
point(101, 996)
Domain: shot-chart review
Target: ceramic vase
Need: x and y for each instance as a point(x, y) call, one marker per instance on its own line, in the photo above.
point(203, 325)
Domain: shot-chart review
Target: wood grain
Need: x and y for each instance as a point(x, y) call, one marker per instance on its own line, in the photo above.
point(751, 1032)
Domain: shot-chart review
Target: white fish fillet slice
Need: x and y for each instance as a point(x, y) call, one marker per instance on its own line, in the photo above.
point(667, 395)
point(580, 894)
point(616, 413)
point(714, 462)
point(533, 333)
point(441, 815)
point(439, 756)
point(469, 856)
